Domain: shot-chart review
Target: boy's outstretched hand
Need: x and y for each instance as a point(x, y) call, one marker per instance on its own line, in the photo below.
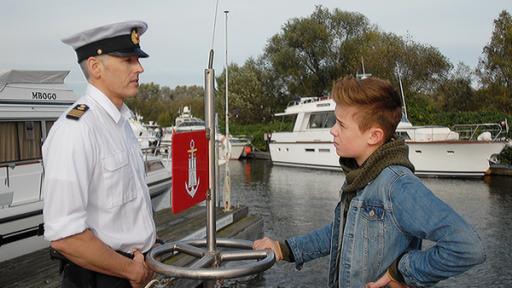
point(386, 280)
point(267, 243)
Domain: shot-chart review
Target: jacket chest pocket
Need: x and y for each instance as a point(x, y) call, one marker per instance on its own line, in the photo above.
point(371, 215)
point(118, 179)
point(373, 211)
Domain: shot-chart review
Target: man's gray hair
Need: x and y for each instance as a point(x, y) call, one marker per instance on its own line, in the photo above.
point(85, 69)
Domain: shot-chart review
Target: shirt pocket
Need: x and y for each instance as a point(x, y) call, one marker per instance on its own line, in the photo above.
point(118, 179)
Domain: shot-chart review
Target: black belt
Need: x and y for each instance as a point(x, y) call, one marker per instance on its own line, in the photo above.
point(56, 255)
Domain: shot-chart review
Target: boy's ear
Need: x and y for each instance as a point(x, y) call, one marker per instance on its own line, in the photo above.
point(376, 136)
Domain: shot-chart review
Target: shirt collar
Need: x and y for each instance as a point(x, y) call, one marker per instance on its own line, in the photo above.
point(107, 105)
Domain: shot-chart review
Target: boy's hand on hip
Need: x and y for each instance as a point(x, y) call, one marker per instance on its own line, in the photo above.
point(386, 280)
point(267, 243)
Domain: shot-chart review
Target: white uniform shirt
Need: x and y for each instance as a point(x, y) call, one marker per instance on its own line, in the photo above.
point(94, 178)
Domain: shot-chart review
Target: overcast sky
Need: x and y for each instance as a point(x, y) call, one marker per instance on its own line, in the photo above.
point(180, 32)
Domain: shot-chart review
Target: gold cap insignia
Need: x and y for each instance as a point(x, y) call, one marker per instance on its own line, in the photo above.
point(135, 36)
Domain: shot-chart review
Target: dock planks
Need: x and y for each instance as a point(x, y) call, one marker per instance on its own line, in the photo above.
point(38, 270)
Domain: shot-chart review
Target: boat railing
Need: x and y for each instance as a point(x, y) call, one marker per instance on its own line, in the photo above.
point(427, 134)
point(305, 100)
point(156, 158)
point(162, 151)
point(13, 164)
point(480, 132)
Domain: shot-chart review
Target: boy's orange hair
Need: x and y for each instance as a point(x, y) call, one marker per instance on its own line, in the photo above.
point(378, 102)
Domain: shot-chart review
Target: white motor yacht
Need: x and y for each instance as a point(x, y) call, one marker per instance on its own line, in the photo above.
point(30, 102)
point(434, 150)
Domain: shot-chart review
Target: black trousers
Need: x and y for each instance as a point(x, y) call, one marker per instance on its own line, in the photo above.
point(74, 276)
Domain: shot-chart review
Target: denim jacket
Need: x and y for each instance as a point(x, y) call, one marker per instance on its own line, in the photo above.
point(387, 219)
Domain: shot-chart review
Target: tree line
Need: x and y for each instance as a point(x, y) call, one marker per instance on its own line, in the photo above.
point(310, 53)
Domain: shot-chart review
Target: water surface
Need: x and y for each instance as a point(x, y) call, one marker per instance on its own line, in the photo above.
point(294, 201)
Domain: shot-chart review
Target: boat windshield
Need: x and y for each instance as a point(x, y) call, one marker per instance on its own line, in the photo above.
point(189, 124)
point(325, 119)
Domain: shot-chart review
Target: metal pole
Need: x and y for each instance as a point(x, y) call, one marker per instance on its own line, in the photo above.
point(227, 180)
point(217, 172)
point(227, 89)
point(402, 90)
point(209, 111)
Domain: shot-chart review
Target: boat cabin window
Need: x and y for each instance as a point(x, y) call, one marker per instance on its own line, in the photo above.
point(48, 125)
point(20, 141)
point(324, 119)
point(189, 124)
point(153, 165)
point(285, 123)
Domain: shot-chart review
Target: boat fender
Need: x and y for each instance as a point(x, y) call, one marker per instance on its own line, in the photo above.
point(485, 136)
point(77, 111)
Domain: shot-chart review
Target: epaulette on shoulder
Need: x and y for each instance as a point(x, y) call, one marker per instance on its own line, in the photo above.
point(77, 111)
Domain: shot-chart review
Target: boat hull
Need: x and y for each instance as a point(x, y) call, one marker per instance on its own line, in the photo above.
point(443, 158)
point(21, 226)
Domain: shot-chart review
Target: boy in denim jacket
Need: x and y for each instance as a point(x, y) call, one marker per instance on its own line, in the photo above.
point(385, 211)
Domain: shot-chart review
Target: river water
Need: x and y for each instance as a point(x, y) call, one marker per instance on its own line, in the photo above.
point(294, 201)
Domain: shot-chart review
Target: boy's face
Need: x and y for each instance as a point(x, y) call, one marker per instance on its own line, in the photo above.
point(349, 141)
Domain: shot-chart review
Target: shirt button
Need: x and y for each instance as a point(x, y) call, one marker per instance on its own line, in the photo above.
point(372, 213)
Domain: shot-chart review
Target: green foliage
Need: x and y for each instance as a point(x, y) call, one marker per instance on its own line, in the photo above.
point(250, 101)
point(162, 104)
point(505, 156)
point(311, 52)
point(456, 92)
point(495, 69)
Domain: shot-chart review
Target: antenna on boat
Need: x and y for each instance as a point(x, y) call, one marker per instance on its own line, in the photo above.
point(364, 75)
point(399, 72)
point(214, 26)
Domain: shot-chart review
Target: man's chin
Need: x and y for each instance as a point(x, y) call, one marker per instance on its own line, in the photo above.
point(133, 92)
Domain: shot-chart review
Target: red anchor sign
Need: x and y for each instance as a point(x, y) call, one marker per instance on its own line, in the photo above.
point(189, 169)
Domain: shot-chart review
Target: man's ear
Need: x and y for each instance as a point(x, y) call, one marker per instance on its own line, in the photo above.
point(94, 66)
point(376, 136)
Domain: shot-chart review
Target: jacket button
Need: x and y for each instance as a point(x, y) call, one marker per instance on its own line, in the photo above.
point(372, 213)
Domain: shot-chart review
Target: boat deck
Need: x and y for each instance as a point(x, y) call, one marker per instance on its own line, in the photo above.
point(38, 270)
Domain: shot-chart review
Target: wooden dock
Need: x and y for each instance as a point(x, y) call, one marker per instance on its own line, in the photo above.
point(38, 270)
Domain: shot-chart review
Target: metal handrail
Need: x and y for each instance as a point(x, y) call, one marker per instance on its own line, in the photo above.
point(471, 131)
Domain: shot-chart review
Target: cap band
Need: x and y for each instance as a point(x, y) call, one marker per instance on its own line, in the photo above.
point(105, 46)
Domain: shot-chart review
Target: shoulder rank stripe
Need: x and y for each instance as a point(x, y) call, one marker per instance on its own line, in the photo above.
point(77, 111)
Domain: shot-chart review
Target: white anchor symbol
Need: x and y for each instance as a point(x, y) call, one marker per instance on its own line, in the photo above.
point(193, 181)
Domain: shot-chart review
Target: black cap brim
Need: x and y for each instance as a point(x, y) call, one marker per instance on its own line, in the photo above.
point(130, 52)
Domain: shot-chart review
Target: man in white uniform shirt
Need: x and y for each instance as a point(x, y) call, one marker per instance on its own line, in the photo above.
point(97, 209)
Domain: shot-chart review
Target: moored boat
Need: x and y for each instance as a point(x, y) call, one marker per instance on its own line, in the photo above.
point(187, 122)
point(30, 103)
point(434, 150)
